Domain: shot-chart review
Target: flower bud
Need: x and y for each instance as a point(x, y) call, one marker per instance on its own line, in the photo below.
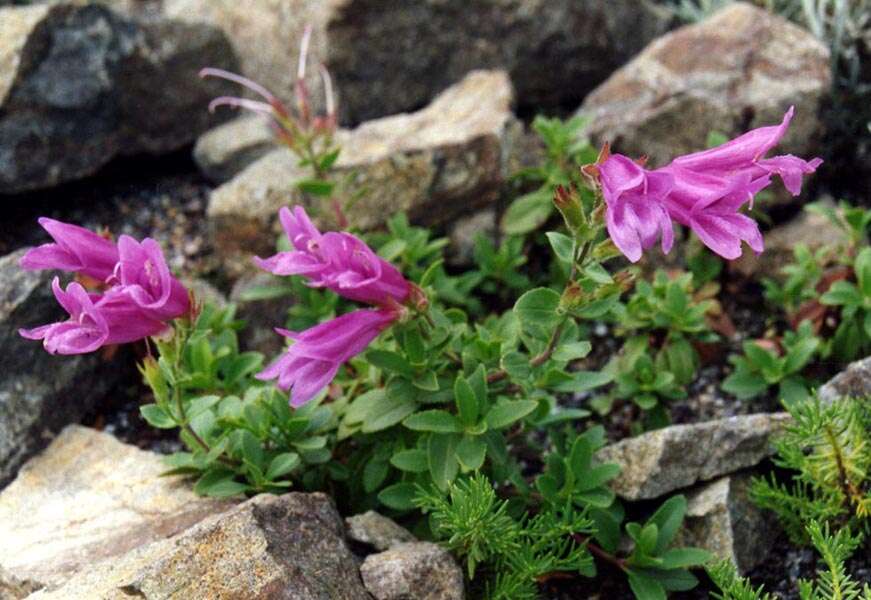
point(568, 203)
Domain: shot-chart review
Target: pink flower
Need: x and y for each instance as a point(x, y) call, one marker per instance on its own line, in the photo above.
point(141, 294)
point(95, 321)
point(337, 261)
point(75, 249)
point(143, 275)
point(313, 360)
point(703, 191)
point(635, 215)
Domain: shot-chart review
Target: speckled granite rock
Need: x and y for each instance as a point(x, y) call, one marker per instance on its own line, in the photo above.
point(739, 69)
point(664, 460)
point(88, 497)
point(81, 84)
point(290, 547)
point(376, 530)
point(854, 381)
point(390, 56)
point(413, 571)
point(722, 519)
point(40, 393)
point(444, 160)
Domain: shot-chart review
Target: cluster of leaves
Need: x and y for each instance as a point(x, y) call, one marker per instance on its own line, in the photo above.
point(827, 451)
point(825, 297)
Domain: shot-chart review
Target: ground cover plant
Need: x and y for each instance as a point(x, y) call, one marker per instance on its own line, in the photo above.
point(470, 405)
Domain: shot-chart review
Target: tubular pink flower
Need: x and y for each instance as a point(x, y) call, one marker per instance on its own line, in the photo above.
point(313, 360)
point(143, 275)
point(336, 260)
point(75, 249)
point(704, 191)
point(94, 321)
point(635, 216)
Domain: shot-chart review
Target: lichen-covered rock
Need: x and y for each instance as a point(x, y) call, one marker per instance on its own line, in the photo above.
point(81, 84)
point(852, 382)
point(444, 160)
point(376, 530)
point(290, 547)
point(664, 460)
point(40, 393)
point(389, 57)
point(722, 519)
point(739, 69)
point(413, 571)
point(88, 497)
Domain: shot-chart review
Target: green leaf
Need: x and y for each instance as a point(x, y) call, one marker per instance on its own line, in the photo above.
point(410, 461)
point(427, 382)
point(219, 484)
point(583, 381)
point(399, 496)
point(374, 474)
point(251, 449)
point(862, 266)
point(471, 452)
point(744, 384)
point(435, 420)
point(679, 558)
point(157, 417)
point(668, 519)
point(466, 401)
point(316, 187)
point(842, 293)
point(441, 455)
point(516, 365)
point(528, 212)
point(598, 274)
point(328, 160)
point(563, 246)
point(390, 361)
point(538, 308)
point(572, 351)
point(389, 408)
point(505, 413)
point(200, 404)
point(282, 464)
point(644, 587)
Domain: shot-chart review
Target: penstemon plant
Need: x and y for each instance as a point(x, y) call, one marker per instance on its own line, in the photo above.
point(410, 398)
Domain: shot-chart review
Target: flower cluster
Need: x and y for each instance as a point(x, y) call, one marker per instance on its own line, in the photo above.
point(703, 191)
point(346, 265)
point(136, 293)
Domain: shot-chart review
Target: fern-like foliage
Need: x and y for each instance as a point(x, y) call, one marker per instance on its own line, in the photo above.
point(733, 586)
point(828, 448)
point(833, 582)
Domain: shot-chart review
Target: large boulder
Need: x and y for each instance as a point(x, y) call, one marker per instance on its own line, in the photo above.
point(290, 547)
point(80, 84)
point(739, 69)
point(87, 498)
point(40, 393)
point(393, 56)
point(435, 164)
point(662, 461)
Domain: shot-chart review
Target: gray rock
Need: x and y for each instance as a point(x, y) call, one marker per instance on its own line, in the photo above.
point(739, 69)
point(435, 164)
point(81, 84)
point(226, 150)
point(665, 460)
point(40, 393)
point(87, 498)
point(463, 232)
point(394, 56)
point(722, 519)
point(376, 530)
point(290, 547)
point(413, 571)
point(854, 381)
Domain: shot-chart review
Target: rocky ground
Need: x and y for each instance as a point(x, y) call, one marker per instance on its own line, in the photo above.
point(103, 122)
